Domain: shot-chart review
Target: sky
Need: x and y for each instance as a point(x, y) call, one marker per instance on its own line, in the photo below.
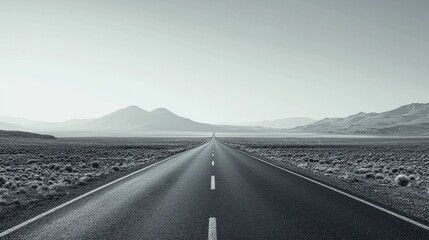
point(212, 61)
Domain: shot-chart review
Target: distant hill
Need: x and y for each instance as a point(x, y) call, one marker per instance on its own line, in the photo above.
point(18, 121)
point(20, 134)
point(68, 125)
point(9, 126)
point(278, 123)
point(26, 124)
point(410, 119)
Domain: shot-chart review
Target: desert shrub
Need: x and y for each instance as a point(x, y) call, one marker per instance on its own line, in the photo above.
point(95, 164)
point(2, 180)
point(369, 175)
point(67, 180)
point(115, 168)
point(412, 177)
point(22, 190)
point(5, 195)
point(3, 202)
point(379, 176)
point(3, 190)
point(68, 168)
point(8, 184)
point(44, 188)
point(402, 180)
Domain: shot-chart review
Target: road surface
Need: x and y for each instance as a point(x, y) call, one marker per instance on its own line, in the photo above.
point(217, 192)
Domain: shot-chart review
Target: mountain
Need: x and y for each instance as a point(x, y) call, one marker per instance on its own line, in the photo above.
point(134, 118)
point(130, 121)
point(133, 121)
point(127, 118)
point(8, 126)
point(278, 123)
point(409, 119)
point(20, 134)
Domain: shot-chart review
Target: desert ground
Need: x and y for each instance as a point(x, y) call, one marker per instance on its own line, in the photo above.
point(34, 172)
point(393, 172)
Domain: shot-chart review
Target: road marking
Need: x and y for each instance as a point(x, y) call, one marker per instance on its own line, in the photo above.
point(212, 184)
point(212, 163)
point(212, 154)
point(409, 220)
point(212, 229)
point(12, 229)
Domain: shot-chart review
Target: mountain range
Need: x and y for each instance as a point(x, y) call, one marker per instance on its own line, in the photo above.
point(124, 122)
point(412, 119)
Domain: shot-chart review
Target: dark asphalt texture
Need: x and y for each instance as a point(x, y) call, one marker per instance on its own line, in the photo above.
point(252, 200)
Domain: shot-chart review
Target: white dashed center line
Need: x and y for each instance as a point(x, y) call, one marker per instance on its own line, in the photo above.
point(212, 229)
point(212, 163)
point(212, 185)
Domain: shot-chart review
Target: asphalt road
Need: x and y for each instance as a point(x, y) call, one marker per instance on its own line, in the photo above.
point(228, 195)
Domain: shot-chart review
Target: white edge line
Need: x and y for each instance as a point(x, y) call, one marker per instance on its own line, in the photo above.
point(212, 229)
point(344, 193)
point(213, 184)
point(12, 229)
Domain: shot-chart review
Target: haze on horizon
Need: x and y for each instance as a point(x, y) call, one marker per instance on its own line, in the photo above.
point(219, 61)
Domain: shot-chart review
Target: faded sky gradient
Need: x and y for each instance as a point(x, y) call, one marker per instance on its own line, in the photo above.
point(212, 61)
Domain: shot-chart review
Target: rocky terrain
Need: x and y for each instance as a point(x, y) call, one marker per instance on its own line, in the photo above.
point(393, 172)
point(33, 171)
